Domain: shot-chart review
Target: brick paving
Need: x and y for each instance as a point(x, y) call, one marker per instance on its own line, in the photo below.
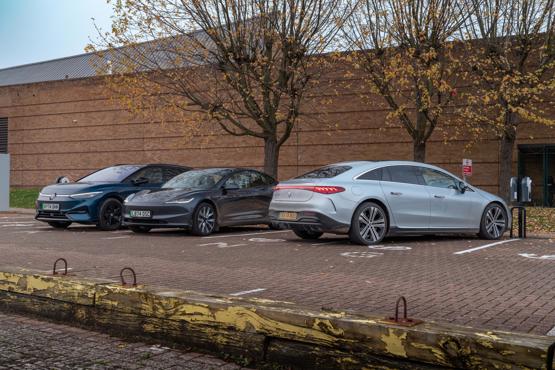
point(493, 288)
point(27, 343)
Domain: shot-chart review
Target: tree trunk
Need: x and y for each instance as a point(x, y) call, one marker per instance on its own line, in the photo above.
point(419, 150)
point(271, 157)
point(505, 163)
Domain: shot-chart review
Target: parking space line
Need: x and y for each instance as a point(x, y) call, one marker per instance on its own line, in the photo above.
point(485, 246)
point(116, 237)
point(247, 292)
point(551, 333)
point(232, 235)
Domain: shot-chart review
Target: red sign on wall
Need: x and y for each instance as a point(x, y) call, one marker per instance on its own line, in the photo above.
point(467, 167)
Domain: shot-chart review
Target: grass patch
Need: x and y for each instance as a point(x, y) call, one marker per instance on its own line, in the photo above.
point(539, 220)
point(23, 198)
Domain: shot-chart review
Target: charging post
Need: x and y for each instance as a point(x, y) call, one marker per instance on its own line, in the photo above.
point(520, 194)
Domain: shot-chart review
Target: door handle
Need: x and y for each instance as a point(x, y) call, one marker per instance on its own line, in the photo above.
point(439, 196)
point(396, 193)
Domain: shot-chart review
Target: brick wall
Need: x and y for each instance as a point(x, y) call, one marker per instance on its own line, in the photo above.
point(72, 128)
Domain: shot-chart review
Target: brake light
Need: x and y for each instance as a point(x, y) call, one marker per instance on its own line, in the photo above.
point(315, 189)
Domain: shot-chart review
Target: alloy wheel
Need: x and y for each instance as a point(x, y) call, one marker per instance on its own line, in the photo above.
point(112, 214)
point(372, 224)
point(206, 220)
point(495, 222)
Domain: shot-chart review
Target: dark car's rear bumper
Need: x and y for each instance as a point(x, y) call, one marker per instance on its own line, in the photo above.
point(311, 221)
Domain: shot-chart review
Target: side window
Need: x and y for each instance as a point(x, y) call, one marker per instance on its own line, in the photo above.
point(438, 179)
point(372, 175)
point(241, 180)
point(171, 172)
point(403, 174)
point(257, 179)
point(268, 180)
point(154, 175)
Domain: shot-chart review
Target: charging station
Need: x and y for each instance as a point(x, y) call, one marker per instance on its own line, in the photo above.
point(4, 182)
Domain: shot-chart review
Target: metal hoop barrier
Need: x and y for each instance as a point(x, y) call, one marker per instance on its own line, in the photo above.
point(54, 272)
point(132, 272)
point(521, 221)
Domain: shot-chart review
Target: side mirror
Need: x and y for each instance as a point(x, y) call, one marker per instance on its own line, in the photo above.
point(63, 180)
point(140, 181)
point(462, 187)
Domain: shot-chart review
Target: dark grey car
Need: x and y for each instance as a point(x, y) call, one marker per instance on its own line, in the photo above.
point(202, 201)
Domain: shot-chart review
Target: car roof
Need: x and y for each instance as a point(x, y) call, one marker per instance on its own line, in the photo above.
point(150, 164)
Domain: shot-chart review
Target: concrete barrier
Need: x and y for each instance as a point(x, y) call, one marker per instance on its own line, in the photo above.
point(267, 330)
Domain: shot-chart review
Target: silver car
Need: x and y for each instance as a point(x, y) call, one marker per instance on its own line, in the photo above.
point(372, 200)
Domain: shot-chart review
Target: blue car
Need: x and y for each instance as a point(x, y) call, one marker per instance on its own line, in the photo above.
point(97, 198)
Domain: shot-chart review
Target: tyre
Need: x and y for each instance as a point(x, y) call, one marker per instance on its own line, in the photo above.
point(110, 215)
point(494, 222)
point(274, 226)
point(369, 224)
point(59, 224)
point(204, 220)
point(308, 234)
point(140, 229)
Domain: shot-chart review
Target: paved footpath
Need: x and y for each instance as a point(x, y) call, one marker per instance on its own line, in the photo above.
point(27, 343)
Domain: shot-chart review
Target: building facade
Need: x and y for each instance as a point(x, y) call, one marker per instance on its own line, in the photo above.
point(57, 118)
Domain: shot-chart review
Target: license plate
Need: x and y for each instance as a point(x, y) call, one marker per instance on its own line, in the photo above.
point(50, 206)
point(140, 214)
point(290, 216)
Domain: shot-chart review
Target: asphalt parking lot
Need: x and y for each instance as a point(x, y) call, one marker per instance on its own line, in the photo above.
point(501, 285)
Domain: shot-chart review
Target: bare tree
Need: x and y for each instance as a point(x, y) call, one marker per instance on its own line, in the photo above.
point(243, 64)
point(512, 60)
point(406, 49)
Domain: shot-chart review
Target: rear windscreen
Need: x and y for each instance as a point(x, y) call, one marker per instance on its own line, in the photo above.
point(325, 172)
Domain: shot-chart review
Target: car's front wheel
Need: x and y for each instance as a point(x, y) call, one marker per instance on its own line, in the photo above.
point(59, 224)
point(140, 229)
point(110, 215)
point(204, 220)
point(494, 222)
point(369, 224)
point(308, 234)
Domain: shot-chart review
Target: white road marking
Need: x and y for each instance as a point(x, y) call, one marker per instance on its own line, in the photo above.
point(17, 225)
point(221, 245)
point(247, 292)
point(236, 235)
point(551, 333)
point(361, 254)
point(535, 256)
point(265, 240)
point(20, 222)
point(116, 237)
point(390, 247)
point(485, 246)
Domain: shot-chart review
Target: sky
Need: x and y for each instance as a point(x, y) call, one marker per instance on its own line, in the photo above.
point(38, 30)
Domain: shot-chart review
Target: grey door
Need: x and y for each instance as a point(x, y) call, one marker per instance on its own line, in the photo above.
point(450, 209)
point(408, 200)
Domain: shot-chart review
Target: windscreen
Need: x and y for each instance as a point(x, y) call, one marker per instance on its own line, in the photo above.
point(325, 172)
point(111, 174)
point(197, 179)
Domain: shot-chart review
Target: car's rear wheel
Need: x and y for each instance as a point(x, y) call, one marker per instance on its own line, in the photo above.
point(494, 222)
point(369, 224)
point(308, 234)
point(140, 229)
point(204, 220)
point(59, 224)
point(110, 215)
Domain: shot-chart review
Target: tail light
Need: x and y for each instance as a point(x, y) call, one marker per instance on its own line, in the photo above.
point(315, 189)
